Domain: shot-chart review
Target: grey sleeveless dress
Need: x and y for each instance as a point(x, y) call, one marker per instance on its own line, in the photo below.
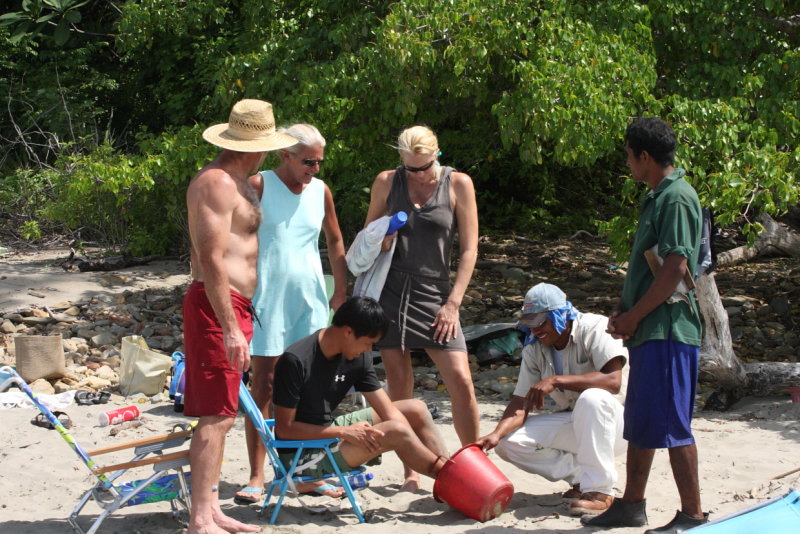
point(418, 282)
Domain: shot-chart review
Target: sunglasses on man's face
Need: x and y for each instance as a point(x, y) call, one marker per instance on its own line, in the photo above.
point(311, 162)
point(419, 169)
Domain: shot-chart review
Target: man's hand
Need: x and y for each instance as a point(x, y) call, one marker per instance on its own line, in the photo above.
point(622, 325)
point(488, 442)
point(364, 435)
point(446, 323)
point(237, 350)
point(537, 393)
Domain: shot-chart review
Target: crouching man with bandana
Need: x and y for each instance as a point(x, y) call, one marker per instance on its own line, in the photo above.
point(569, 356)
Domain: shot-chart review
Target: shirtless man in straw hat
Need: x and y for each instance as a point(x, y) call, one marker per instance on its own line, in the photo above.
point(223, 217)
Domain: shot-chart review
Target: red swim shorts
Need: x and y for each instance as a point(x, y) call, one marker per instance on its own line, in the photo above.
point(212, 385)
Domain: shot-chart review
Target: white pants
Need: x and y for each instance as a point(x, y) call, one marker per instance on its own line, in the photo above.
point(577, 446)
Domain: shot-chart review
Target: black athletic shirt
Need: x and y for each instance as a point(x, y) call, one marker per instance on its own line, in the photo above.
point(315, 385)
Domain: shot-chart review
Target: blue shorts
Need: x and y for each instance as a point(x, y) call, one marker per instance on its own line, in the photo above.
point(660, 397)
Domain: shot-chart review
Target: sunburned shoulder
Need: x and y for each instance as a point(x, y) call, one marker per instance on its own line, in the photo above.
point(384, 176)
point(213, 176)
point(460, 179)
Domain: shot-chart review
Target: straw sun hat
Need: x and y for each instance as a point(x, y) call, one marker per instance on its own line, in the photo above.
point(250, 128)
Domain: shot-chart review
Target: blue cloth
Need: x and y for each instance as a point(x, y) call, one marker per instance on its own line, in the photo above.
point(290, 299)
point(660, 398)
point(559, 319)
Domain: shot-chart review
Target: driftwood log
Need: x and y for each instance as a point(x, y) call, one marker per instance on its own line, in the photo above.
point(775, 240)
point(111, 263)
point(719, 365)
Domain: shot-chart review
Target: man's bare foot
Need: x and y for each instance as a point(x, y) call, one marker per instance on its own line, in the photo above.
point(411, 484)
point(229, 524)
point(321, 487)
point(212, 528)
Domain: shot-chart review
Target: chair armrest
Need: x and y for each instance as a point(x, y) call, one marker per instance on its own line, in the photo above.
point(147, 441)
point(305, 443)
point(144, 461)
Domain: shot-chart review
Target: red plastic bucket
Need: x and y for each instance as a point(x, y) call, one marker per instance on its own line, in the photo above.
point(473, 485)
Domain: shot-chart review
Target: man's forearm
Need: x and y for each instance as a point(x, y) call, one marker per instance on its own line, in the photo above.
point(664, 284)
point(297, 431)
point(218, 290)
point(607, 381)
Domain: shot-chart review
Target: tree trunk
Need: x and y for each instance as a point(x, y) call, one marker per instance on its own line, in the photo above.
point(718, 363)
point(775, 239)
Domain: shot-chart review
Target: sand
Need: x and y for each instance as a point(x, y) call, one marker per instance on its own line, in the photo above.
point(740, 451)
point(42, 479)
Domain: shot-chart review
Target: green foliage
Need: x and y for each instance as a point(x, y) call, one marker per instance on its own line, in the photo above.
point(531, 98)
point(30, 231)
point(57, 18)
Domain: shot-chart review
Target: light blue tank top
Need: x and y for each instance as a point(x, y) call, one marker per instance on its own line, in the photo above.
point(290, 298)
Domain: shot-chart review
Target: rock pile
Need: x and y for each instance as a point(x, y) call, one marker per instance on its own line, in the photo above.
point(91, 333)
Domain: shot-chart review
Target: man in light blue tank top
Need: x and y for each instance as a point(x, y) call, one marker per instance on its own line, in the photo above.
point(290, 300)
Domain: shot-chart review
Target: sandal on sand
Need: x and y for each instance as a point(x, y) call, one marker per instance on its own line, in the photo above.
point(88, 398)
point(248, 495)
point(42, 420)
point(324, 490)
point(84, 398)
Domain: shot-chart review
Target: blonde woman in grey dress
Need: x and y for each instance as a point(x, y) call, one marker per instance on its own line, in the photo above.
point(418, 298)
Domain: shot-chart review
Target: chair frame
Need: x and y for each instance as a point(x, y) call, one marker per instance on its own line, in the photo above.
point(108, 494)
point(284, 478)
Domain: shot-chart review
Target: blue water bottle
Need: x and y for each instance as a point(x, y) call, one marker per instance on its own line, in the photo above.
point(360, 481)
point(396, 222)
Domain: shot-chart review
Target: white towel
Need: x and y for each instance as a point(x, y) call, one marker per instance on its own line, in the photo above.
point(366, 260)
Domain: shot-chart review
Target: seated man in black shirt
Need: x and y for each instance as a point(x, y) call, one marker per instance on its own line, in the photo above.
point(314, 375)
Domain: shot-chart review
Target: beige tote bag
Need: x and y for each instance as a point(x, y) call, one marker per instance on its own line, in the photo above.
point(142, 370)
point(39, 357)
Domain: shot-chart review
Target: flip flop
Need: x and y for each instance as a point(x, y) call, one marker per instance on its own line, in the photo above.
point(84, 398)
point(42, 420)
point(248, 495)
point(88, 398)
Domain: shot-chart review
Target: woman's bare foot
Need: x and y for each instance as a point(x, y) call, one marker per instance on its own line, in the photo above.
point(411, 484)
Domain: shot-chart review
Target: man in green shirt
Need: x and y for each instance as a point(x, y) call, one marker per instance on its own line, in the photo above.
point(659, 321)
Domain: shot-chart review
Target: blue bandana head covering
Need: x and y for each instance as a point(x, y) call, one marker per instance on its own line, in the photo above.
point(558, 317)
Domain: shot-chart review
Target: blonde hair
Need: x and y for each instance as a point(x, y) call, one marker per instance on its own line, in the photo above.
point(306, 135)
point(418, 140)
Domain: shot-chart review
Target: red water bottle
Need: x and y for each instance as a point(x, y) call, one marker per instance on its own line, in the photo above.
point(115, 417)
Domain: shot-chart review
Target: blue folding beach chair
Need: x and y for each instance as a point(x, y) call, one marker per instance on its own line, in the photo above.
point(108, 491)
point(284, 477)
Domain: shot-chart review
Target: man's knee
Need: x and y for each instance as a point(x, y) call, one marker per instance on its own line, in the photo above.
point(415, 411)
point(395, 433)
point(503, 449)
point(596, 400)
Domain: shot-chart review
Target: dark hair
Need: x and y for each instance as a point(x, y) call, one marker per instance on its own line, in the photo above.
point(653, 135)
point(364, 315)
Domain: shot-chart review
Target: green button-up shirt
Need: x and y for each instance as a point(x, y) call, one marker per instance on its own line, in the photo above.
point(670, 217)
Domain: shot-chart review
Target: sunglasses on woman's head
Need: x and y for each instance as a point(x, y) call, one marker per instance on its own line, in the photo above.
point(311, 162)
point(419, 169)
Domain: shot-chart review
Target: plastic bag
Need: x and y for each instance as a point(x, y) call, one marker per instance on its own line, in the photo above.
point(142, 370)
